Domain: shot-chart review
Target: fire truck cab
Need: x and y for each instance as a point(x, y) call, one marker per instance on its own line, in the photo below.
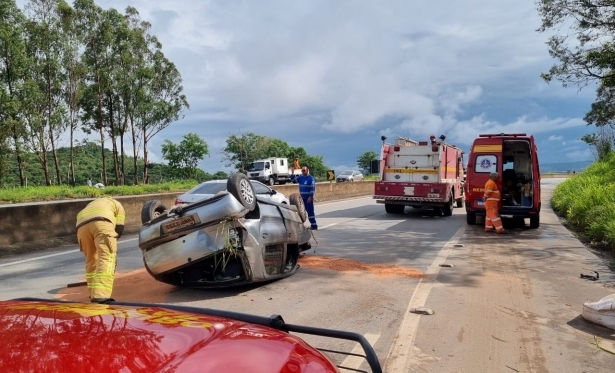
point(515, 158)
point(419, 174)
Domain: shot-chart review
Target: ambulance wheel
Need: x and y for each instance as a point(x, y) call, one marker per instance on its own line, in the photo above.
point(471, 218)
point(459, 202)
point(535, 222)
point(448, 208)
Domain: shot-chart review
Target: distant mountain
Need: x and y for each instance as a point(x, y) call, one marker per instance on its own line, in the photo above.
point(564, 166)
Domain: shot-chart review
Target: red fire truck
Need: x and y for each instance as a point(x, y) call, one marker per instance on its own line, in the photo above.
point(420, 174)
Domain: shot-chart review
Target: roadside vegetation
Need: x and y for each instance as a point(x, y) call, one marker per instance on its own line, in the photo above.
point(587, 201)
point(60, 192)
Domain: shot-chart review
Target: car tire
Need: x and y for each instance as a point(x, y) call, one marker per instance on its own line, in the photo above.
point(241, 188)
point(151, 210)
point(296, 200)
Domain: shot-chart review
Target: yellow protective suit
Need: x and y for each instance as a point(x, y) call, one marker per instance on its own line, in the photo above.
point(99, 225)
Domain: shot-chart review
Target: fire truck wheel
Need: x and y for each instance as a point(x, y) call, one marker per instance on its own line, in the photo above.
point(459, 202)
point(448, 208)
point(394, 209)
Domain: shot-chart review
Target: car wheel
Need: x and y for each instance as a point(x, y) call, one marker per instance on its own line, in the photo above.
point(240, 187)
point(151, 210)
point(296, 200)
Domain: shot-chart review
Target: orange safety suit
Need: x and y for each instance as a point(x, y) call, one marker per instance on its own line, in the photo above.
point(99, 225)
point(296, 164)
point(492, 199)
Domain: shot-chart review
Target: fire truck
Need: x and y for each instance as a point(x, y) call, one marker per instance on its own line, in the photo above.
point(420, 174)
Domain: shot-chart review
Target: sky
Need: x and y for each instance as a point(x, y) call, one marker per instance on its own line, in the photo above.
point(333, 76)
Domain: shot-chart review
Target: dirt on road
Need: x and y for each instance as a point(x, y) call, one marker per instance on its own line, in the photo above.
point(140, 286)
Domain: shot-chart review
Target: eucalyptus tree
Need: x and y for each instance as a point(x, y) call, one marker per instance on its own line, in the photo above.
point(161, 102)
point(136, 78)
point(74, 72)
point(14, 67)
point(96, 33)
point(46, 48)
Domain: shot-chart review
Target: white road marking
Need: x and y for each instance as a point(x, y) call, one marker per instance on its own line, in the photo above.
point(327, 226)
point(354, 362)
point(52, 255)
point(401, 355)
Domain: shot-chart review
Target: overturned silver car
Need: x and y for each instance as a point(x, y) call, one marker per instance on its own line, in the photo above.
point(233, 238)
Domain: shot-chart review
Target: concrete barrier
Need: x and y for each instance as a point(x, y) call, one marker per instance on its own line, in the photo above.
point(27, 222)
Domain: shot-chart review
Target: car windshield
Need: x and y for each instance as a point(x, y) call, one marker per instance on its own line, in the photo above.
point(256, 166)
point(208, 188)
point(346, 173)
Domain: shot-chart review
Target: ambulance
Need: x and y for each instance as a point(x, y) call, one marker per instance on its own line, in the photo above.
point(515, 157)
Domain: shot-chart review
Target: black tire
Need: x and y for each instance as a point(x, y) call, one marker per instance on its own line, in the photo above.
point(151, 210)
point(241, 188)
point(296, 200)
point(394, 209)
point(447, 209)
point(271, 181)
point(471, 218)
point(535, 221)
point(459, 202)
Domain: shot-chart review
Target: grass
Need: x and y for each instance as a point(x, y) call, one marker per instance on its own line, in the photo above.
point(61, 192)
point(52, 193)
point(587, 201)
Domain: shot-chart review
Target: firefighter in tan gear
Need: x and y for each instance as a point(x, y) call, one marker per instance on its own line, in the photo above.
point(99, 225)
point(492, 199)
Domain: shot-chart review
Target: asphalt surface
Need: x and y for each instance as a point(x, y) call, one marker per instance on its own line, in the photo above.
point(505, 304)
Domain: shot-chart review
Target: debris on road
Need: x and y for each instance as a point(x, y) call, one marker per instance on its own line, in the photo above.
point(458, 245)
point(447, 265)
point(601, 312)
point(344, 265)
point(422, 311)
point(591, 277)
point(596, 343)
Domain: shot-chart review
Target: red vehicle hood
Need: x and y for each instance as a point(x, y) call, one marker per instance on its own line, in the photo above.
point(40, 336)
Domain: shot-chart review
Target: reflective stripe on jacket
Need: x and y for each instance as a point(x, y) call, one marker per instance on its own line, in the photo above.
point(491, 191)
point(102, 208)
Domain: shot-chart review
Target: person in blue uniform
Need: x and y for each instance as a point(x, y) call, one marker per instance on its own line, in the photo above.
point(307, 187)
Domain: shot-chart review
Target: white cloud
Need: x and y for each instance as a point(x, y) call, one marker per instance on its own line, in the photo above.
point(317, 73)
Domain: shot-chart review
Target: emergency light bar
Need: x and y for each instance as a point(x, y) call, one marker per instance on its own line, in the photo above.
point(503, 134)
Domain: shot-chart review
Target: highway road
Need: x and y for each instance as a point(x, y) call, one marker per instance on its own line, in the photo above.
point(508, 303)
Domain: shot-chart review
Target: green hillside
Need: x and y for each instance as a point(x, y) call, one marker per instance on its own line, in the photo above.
point(88, 163)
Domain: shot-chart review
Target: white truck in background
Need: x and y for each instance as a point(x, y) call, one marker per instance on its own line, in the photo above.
point(270, 171)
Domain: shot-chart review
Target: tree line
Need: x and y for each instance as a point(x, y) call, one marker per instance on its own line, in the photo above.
point(65, 68)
